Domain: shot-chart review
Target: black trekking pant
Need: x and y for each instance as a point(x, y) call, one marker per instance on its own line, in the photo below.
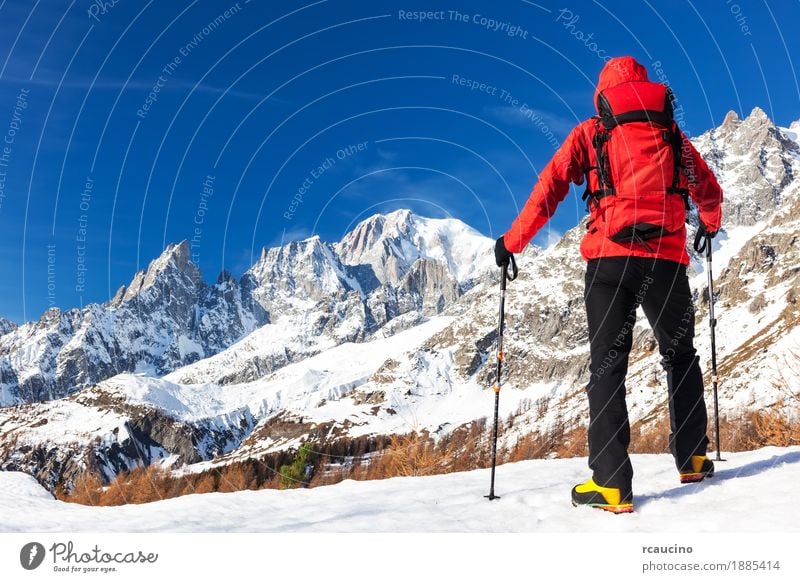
point(615, 287)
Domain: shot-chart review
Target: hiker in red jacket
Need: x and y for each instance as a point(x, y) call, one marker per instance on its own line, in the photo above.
point(640, 171)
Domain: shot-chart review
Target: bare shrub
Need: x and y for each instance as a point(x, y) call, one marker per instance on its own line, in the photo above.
point(87, 490)
point(140, 485)
point(411, 455)
point(771, 428)
point(237, 477)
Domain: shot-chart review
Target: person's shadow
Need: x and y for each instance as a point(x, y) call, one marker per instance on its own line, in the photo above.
point(747, 470)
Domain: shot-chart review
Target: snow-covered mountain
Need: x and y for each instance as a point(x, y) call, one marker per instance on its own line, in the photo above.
point(393, 243)
point(755, 162)
point(167, 317)
point(320, 295)
point(391, 330)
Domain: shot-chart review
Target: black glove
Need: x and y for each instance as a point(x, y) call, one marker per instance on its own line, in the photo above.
point(501, 255)
point(701, 238)
point(703, 229)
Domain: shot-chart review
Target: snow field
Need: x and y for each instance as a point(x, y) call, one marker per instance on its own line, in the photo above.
point(753, 491)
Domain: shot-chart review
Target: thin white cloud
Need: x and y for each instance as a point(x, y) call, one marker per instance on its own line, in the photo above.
point(551, 237)
point(530, 117)
point(133, 85)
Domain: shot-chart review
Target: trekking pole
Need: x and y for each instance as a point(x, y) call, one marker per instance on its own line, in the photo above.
point(504, 277)
point(702, 244)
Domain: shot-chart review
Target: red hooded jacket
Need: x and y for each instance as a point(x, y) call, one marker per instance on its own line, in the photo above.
point(577, 153)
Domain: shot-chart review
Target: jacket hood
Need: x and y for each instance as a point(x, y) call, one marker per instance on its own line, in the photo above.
point(619, 70)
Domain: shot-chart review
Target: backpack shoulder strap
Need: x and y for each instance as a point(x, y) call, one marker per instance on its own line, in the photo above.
point(605, 187)
point(677, 157)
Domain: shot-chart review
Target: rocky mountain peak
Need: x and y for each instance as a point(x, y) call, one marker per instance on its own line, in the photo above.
point(118, 297)
point(306, 269)
point(745, 136)
point(399, 221)
point(758, 130)
point(758, 117)
point(175, 256)
point(310, 250)
point(754, 162)
point(391, 243)
point(51, 315)
point(369, 236)
point(731, 123)
point(225, 277)
point(172, 267)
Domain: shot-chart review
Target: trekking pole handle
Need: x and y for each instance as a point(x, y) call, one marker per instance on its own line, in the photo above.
point(513, 272)
point(702, 241)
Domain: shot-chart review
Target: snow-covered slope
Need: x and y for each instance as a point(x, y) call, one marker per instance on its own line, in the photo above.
point(302, 387)
point(112, 424)
point(535, 498)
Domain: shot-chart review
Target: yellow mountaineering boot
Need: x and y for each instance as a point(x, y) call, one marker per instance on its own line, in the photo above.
point(699, 468)
point(608, 498)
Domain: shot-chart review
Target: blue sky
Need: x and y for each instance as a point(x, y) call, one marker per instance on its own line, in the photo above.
point(239, 125)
